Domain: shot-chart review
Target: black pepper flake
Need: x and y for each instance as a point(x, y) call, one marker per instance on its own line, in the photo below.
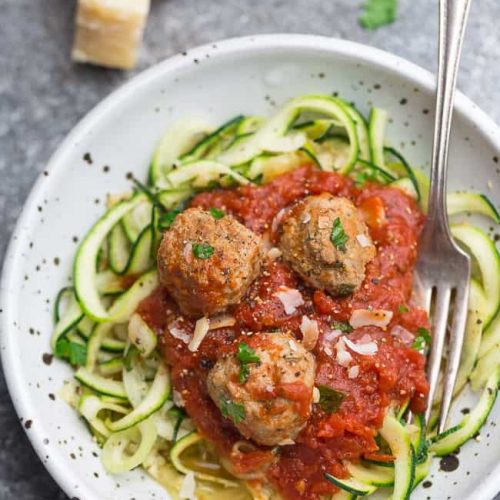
point(105, 169)
point(129, 176)
point(495, 159)
point(465, 411)
point(375, 281)
point(427, 484)
point(46, 357)
point(321, 75)
point(425, 111)
point(377, 86)
point(52, 397)
point(57, 261)
point(87, 158)
point(449, 463)
point(28, 424)
point(403, 101)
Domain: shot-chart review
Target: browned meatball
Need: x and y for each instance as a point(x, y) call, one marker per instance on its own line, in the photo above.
point(327, 243)
point(271, 402)
point(206, 263)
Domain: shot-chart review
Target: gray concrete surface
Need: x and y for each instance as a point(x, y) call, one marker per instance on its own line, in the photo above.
point(43, 95)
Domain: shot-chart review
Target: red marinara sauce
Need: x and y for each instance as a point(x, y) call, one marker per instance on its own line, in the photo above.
point(394, 374)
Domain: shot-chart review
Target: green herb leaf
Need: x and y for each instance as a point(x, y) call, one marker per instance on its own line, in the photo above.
point(216, 213)
point(422, 340)
point(74, 352)
point(423, 332)
point(246, 355)
point(403, 309)
point(232, 410)
point(203, 250)
point(78, 354)
point(338, 236)
point(343, 327)
point(62, 348)
point(167, 219)
point(377, 13)
point(330, 399)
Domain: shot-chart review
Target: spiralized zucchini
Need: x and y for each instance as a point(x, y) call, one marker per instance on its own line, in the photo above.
point(124, 389)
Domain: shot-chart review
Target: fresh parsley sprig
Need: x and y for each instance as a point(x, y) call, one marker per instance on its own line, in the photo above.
point(246, 356)
point(232, 410)
point(330, 399)
point(338, 236)
point(203, 250)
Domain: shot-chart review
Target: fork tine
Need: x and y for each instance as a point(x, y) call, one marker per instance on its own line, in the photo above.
point(457, 335)
point(440, 322)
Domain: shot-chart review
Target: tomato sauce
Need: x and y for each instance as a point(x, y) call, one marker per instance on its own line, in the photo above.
point(393, 375)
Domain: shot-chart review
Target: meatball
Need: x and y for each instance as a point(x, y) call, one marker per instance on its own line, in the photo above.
point(327, 243)
point(208, 263)
point(274, 395)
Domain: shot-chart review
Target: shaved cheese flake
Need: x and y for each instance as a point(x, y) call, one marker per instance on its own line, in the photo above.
point(367, 317)
point(286, 442)
point(222, 321)
point(363, 240)
point(306, 217)
point(291, 298)
point(331, 335)
point(368, 349)
point(177, 399)
point(353, 371)
point(328, 351)
point(344, 357)
point(188, 248)
point(274, 253)
point(179, 333)
point(200, 330)
point(188, 487)
point(310, 332)
point(277, 220)
point(316, 395)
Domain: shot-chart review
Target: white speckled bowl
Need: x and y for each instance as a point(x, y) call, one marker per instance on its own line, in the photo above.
point(247, 75)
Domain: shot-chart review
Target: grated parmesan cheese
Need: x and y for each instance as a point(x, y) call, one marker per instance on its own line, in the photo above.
point(200, 331)
point(363, 240)
point(310, 332)
point(367, 317)
point(291, 298)
point(353, 371)
point(367, 349)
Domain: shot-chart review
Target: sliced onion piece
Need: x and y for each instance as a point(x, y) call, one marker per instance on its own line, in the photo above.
point(141, 335)
point(222, 321)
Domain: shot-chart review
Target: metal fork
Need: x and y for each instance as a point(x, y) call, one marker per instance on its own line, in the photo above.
point(443, 268)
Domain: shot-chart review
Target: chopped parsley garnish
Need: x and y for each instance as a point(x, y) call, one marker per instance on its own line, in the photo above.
point(338, 236)
point(232, 410)
point(179, 415)
point(167, 219)
point(330, 399)
point(377, 13)
point(203, 250)
point(422, 340)
point(74, 352)
point(246, 355)
point(343, 327)
point(217, 213)
point(403, 309)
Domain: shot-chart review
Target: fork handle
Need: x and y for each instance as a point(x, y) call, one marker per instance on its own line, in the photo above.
point(452, 20)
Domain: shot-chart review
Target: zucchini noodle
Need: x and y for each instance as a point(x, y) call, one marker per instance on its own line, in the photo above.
point(123, 388)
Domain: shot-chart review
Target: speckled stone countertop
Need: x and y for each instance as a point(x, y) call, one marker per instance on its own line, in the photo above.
point(43, 95)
